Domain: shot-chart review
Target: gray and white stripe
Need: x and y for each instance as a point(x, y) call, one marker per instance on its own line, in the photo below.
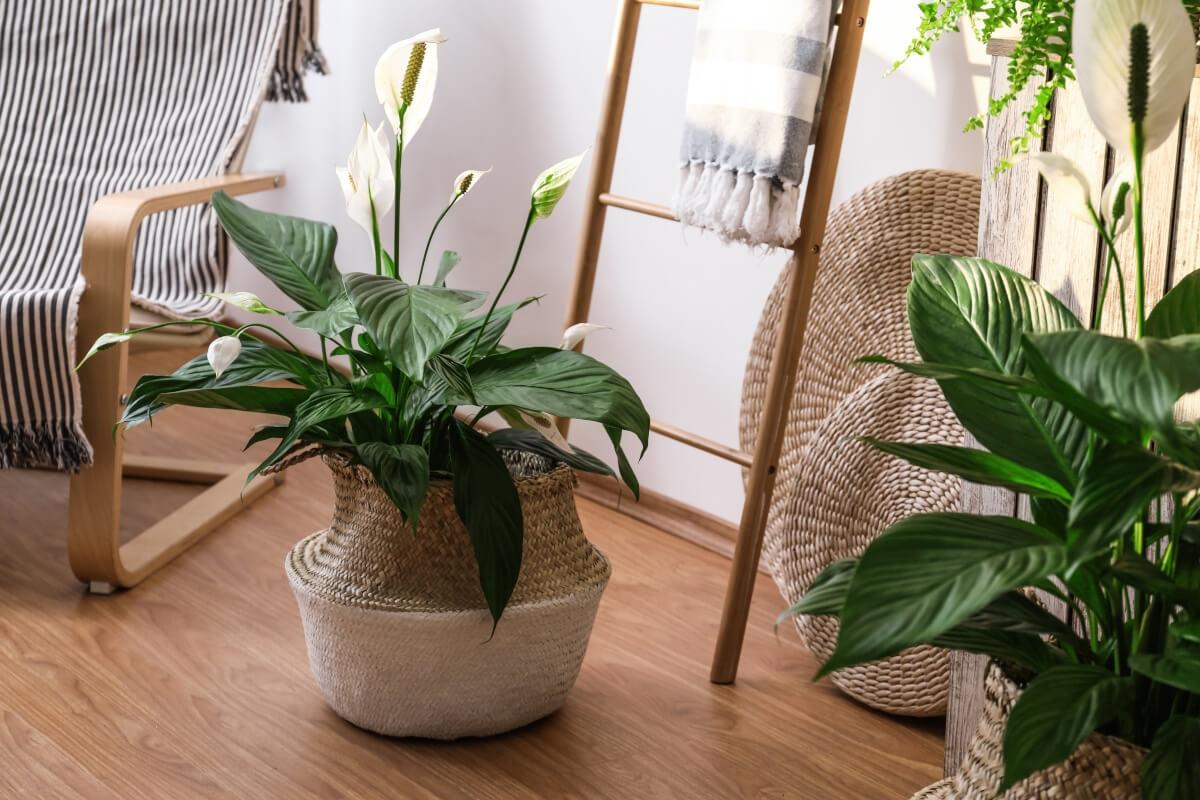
point(755, 85)
point(103, 96)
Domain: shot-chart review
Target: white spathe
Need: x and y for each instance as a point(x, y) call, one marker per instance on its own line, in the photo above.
point(466, 181)
point(247, 301)
point(1101, 44)
point(1067, 180)
point(578, 332)
point(405, 77)
point(1108, 199)
point(367, 177)
point(223, 351)
point(552, 184)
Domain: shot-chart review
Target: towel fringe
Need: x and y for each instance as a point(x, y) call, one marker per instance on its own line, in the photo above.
point(738, 206)
point(298, 54)
point(44, 445)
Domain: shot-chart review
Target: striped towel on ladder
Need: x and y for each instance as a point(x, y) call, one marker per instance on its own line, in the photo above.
point(104, 96)
point(757, 72)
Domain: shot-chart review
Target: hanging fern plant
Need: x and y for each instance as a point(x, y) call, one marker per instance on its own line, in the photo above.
point(1041, 58)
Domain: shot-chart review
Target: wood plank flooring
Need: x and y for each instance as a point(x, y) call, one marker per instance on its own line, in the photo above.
point(196, 683)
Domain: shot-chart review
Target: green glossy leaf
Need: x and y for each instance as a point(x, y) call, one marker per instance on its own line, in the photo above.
point(490, 508)
point(450, 377)
point(623, 466)
point(1187, 631)
point(1178, 313)
point(971, 313)
point(562, 383)
point(261, 399)
point(1136, 571)
point(1026, 649)
point(1056, 712)
point(951, 372)
point(409, 323)
point(827, 593)
point(265, 433)
point(1115, 490)
point(1086, 409)
point(1172, 770)
point(460, 343)
point(1014, 611)
point(293, 253)
point(977, 466)
point(446, 265)
point(1139, 380)
point(332, 321)
point(930, 572)
point(1177, 666)
point(402, 471)
point(531, 441)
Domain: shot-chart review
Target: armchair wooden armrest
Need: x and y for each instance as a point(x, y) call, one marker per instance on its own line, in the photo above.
point(95, 551)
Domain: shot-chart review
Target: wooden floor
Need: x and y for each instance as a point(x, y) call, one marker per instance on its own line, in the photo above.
point(196, 683)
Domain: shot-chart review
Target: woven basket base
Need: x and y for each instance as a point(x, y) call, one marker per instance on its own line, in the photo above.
point(436, 675)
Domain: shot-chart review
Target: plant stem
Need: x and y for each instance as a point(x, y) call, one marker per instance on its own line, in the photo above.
point(429, 241)
point(265, 326)
point(375, 235)
point(1111, 262)
point(396, 197)
point(1139, 233)
point(511, 270)
point(325, 360)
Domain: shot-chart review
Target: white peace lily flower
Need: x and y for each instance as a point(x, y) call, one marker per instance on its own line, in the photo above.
point(1066, 179)
point(539, 421)
point(247, 301)
point(1104, 37)
point(1109, 208)
point(367, 177)
point(405, 76)
point(578, 332)
point(552, 184)
point(466, 181)
point(222, 352)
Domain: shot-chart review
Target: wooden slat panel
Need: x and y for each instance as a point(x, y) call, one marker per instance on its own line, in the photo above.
point(1008, 235)
point(1186, 255)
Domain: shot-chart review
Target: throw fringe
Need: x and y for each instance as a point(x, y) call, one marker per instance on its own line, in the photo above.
point(298, 54)
point(44, 445)
point(738, 206)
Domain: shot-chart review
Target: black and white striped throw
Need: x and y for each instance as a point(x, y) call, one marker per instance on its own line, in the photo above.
point(102, 96)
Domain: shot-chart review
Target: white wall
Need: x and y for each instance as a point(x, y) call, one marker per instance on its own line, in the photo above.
point(519, 87)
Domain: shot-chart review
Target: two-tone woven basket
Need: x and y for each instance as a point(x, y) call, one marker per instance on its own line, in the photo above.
point(1102, 768)
point(396, 624)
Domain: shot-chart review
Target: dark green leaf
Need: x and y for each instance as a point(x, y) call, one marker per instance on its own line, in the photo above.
point(531, 441)
point(402, 471)
point(261, 399)
point(1177, 666)
point(295, 254)
point(562, 383)
point(450, 377)
point(1114, 491)
point(461, 342)
point(950, 372)
point(623, 466)
point(265, 433)
point(977, 466)
point(1178, 313)
point(1086, 409)
point(1187, 631)
point(410, 323)
point(827, 593)
point(1136, 571)
point(1139, 380)
point(971, 313)
point(1172, 770)
point(490, 508)
point(1026, 649)
point(930, 572)
point(331, 321)
point(1056, 712)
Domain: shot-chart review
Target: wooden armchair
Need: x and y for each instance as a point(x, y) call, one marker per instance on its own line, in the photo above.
point(96, 554)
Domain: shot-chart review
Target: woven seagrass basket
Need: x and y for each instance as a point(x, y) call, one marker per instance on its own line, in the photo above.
point(397, 627)
point(1102, 768)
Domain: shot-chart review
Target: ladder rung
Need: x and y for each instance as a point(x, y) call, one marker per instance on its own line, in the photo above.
point(640, 206)
point(701, 443)
point(688, 4)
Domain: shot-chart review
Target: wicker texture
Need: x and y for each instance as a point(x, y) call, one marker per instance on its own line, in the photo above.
point(398, 628)
point(833, 495)
point(1102, 768)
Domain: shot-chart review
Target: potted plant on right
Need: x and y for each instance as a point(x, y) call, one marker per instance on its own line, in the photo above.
point(1082, 424)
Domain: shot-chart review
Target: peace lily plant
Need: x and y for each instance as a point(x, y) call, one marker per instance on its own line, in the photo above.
point(1082, 424)
point(423, 364)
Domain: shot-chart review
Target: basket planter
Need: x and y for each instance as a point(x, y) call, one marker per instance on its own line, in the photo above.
point(1102, 768)
point(396, 625)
